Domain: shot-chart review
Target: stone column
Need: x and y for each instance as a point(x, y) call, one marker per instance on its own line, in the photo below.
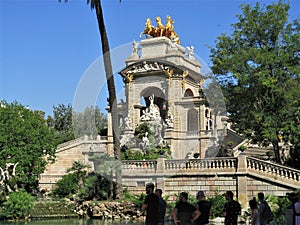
point(110, 145)
point(160, 180)
point(242, 181)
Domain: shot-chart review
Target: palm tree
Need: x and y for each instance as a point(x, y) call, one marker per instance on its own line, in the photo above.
point(78, 168)
point(96, 4)
point(106, 166)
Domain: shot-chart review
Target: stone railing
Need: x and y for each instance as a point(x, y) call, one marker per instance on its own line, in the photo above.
point(210, 166)
point(208, 163)
point(139, 166)
point(162, 165)
point(68, 143)
point(273, 169)
point(83, 139)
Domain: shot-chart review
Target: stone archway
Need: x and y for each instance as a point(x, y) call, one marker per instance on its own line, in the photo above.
point(159, 100)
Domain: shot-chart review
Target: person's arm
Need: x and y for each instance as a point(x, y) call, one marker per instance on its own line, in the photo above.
point(195, 215)
point(145, 204)
point(224, 210)
point(144, 207)
point(261, 209)
point(174, 214)
point(254, 217)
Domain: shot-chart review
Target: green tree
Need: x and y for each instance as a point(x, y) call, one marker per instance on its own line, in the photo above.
point(79, 169)
point(62, 122)
point(106, 167)
point(96, 5)
point(63, 117)
point(258, 69)
point(90, 122)
point(17, 205)
point(66, 186)
point(27, 140)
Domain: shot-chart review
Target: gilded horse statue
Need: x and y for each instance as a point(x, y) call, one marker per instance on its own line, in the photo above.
point(149, 30)
point(169, 30)
point(160, 27)
point(161, 30)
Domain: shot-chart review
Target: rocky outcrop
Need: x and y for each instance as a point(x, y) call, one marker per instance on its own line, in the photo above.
point(109, 210)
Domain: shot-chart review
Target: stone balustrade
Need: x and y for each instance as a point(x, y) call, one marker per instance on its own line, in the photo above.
point(190, 164)
point(273, 169)
point(246, 175)
point(211, 165)
point(139, 166)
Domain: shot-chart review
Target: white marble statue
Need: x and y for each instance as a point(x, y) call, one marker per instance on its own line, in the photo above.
point(191, 52)
point(169, 120)
point(151, 113)
point(128, 124)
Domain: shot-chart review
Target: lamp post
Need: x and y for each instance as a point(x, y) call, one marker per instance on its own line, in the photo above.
point(280, 135)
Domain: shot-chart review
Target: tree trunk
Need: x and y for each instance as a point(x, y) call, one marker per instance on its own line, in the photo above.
point(276, 152)
point(111, 91)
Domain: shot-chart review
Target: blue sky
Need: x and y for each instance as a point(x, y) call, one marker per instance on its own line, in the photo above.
point(47, 46)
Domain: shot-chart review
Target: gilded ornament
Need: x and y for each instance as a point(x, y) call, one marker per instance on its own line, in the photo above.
point(161, 30)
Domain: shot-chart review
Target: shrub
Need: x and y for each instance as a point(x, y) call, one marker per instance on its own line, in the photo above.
point(66, 186)
point(17, 206)
point(137, 199)
point(218, 201)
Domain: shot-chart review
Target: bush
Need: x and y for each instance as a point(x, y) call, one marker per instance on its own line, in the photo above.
point(97, 187)
point(218, 202)
point(17, 206)
point(67, 186)
point(137, 199)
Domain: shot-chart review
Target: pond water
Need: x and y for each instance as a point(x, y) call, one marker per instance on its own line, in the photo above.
point(77, 222)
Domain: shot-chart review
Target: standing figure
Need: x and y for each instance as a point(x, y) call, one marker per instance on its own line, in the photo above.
point(204, 208)
point(254, 212)
point(297, 211)
point(160, 30)
point(162, 207)
point(184, 213)
point(151, 205)
point(265, 213)
point(231, 209)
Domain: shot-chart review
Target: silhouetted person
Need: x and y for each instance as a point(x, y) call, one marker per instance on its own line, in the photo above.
point(162, 207)
point(254, 212)
point(204, 208)
point(151, 205)
point(265, 214)
point(231, 209)
point(297, 211)
point(184, 213)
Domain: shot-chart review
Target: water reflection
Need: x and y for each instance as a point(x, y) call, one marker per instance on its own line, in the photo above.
point(81, 222)
point(74, 222)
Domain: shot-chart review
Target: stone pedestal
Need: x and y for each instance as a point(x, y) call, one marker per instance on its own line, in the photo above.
point(242, 181)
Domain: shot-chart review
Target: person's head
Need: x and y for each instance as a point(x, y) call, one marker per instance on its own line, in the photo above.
point(149, 188)
point(183, 196)
point(253, 204)
point(158, 192)
point(229, 195)
point(200, 195)
point(260, 196)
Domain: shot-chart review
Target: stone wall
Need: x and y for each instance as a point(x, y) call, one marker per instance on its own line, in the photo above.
point(76, 150)
point(210, 175)
point(245, 176)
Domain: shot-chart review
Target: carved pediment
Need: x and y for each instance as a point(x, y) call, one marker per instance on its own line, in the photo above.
point(148, 68)
point(144, 67)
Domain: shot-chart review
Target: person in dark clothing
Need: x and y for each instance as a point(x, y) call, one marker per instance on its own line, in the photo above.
point(204, 208)
point(162, 207)
point(265, 213)
point(151, 205)
point(231, 209)
point(184, 213)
